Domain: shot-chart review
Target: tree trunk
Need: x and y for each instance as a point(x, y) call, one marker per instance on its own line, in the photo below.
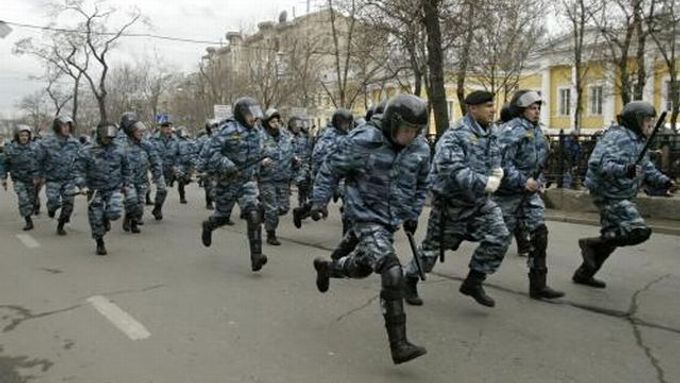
point(464, 58)
point(435, 62)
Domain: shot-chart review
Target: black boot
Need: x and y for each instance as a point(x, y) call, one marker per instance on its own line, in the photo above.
point(472, 286)
point(588, 250)
point(101, 250)
point(209, 203)
point(395, 323)
point(323, 274)
point(584, 276)
point(182, 194)
point(148, 202)
point(51, 213)
point(157, 213)
point(29, 223)
point(206, 235)
point(538, 288)
point(298, 213)
point(229, 222)
point(257, 259)
point(271, 238)
point(411, 292)
point(60, 227)
point(126, 223)
point(133, 227)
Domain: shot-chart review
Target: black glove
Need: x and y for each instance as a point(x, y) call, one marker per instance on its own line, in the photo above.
point(632, 171)
point(410, 226)
point(318, 212)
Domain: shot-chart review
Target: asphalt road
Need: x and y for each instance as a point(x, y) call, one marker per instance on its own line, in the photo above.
point(162, 308)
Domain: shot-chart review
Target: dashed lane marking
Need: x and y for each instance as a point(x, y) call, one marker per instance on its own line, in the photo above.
point(28, 241)
point(124, 321)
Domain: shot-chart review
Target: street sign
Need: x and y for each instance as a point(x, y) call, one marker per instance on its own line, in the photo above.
point(222, 112)
point(4, 29)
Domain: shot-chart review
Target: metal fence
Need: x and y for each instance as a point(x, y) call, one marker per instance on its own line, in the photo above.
point(569, 154)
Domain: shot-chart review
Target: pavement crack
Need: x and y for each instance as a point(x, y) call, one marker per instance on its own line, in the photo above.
point(356, 309)
point(19, 314)
point(128, 291)
point(632, 311)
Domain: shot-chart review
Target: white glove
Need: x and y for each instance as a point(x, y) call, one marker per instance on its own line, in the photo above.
point(498, 172)
point(492, 184)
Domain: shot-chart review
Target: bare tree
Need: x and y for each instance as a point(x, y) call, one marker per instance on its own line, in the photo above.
point(663, 27)
point(36, 109)
point(54, 91)
point(435, 63)
point(579, 14)
point(505, 40)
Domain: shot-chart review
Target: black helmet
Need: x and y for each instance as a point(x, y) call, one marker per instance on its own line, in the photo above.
point(126, 119)
point(295, 123)
point(506, 113)
point(106, 130)
point(244, 107)
point(61, 120)
point(22, 128)
point(342, 119)
point(404, 112)
point(634, 113)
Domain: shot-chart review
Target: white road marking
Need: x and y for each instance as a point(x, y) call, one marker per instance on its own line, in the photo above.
point(28, 241)
point(124, 321)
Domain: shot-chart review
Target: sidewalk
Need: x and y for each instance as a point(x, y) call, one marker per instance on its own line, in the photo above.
point(662, 226)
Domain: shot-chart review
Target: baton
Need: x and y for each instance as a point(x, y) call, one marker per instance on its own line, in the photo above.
point(416, 256)
point(658, 125)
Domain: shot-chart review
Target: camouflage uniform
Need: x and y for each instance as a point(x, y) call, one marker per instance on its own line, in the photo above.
point(56, 157)
point(274, 179)
point(186, 161)
point(168, 150)
point(104, 169)
point(386, 185)
point(233, 158)
point(302, 147)
point(142, 158)
point(21, 162)
point(613, 191)
point(525, 154)
point(208, 182)
point(462, 210)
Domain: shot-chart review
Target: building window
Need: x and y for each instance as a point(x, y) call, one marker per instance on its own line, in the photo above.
point(565, 101)
point(596, 100)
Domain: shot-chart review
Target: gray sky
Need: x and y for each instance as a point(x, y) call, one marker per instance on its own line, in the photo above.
point(194, 19)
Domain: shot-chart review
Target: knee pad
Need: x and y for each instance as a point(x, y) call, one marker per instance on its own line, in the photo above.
point(253, 218)
point(634, 237)
point(392, 280)
point(539, 237)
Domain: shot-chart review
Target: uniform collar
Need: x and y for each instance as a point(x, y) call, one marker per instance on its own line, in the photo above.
point(474, 126)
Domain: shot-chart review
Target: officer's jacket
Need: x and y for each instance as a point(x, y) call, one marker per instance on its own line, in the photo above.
point(57, 156)
point(168, 149)
point(103, 167)
point(383, 184)
point(464, 157)
point(328, 141)
point(279, 149)
point(606, 176)
point(21, 161)
point(188, 153)
point(142, 158)
point(302, 146)
point(234, 148)
point(524, 151)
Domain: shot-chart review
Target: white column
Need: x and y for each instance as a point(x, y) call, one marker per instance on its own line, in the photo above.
point(572, 115)
point(545, 92)
point(608, 93)
point(648, 90)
